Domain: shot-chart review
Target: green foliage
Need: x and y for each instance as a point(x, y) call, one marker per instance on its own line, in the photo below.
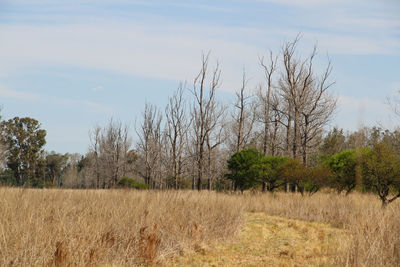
point(55, 166)
point(343, 167)
point(334, 142)
point(24, 141)
point(316, 178)
point(242, 171)
point(7, 178)
point(270, 171)
point(127, 182)
point(381, 172)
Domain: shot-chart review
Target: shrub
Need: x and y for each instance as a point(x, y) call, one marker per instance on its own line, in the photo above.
point(343, 167)
point(242, 171)
point(381, 172)
point(127, 182)
point(270, 171)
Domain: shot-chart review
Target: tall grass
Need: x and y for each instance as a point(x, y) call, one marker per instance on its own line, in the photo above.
point(373, 232)
point(125, 228)
point(81, 228)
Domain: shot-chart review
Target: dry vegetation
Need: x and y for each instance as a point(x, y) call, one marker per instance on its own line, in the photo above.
point(125, 228)
point(273, 241)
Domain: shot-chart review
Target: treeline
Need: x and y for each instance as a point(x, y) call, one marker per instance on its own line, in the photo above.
point(187, 143)
point(374, 168)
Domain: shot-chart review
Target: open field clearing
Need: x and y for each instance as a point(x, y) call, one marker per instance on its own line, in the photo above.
point(125, 228)
point(274, 241)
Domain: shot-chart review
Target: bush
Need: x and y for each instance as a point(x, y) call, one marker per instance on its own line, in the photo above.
point(127, 182)
point(241, 168)
point(381, 172)
point(270, 171)
point(343, 167)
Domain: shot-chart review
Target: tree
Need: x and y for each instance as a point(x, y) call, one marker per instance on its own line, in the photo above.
point(264, 98)
point(316, 177)
point(176, 129)
point(297, 100)
point(381, 172)
point(270, 169)
point(243, 117)
point(56, 164)
point(149, 146)
point(334, 142)
point(294, 172)
point(206, 114)
point(243, 168)
point(109, 153)
point(24, 141)
point(343, 167)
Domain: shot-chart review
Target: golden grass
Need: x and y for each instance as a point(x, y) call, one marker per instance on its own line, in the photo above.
point(125, 228)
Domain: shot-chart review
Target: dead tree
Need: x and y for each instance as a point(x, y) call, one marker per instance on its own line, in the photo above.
point(149, 145)
point(109, 149)
point(243, 116)
point(317, 111)
point(265, 97)
point(177, 126)
point(204, 111)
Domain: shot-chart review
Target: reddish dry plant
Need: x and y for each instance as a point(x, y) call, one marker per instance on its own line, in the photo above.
point(149, 244)
point(60, 258)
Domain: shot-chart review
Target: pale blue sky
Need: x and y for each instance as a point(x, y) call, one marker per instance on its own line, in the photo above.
point(72, 64)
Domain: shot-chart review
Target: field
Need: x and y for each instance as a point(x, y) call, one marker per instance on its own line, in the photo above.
point(52, 227)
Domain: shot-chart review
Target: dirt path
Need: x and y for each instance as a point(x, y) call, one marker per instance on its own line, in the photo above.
point(273, 241)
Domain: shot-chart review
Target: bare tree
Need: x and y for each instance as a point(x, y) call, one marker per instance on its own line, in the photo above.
point(94, 149)
point(317, 111)
point(205, 112)
point(176, 128)
point(265, 97)
point(308, 105)
point(109, 147)
point(149, 146)
point(243, 116)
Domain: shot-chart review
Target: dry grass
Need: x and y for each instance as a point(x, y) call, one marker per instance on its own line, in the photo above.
point(374, 232)
point(125, 228)
point(273, 241)
point(83, 228)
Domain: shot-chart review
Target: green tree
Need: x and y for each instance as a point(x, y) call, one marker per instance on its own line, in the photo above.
point(343, 167)
point(334, 142)
point(242, 168)
point(55, 166)
point(24, 141)
point(381, 172)
point(270, 172)
point(316, 178)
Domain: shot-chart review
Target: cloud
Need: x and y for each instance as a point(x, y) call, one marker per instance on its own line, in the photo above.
point(168, 51)
point(97, 88)
point(145, 51)
point(19, 95)
point(303, 3)
point(6, 92)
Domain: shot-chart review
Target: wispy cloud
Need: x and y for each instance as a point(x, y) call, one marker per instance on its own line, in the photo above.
point(167, 51)
point(97, 88)
point(6, 92)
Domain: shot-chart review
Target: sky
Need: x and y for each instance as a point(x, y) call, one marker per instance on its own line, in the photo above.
point(75, 64)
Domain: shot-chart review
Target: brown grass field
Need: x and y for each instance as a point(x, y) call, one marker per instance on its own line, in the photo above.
point(52, 227)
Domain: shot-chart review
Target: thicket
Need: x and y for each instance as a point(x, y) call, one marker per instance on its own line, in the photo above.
point(375, 169)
